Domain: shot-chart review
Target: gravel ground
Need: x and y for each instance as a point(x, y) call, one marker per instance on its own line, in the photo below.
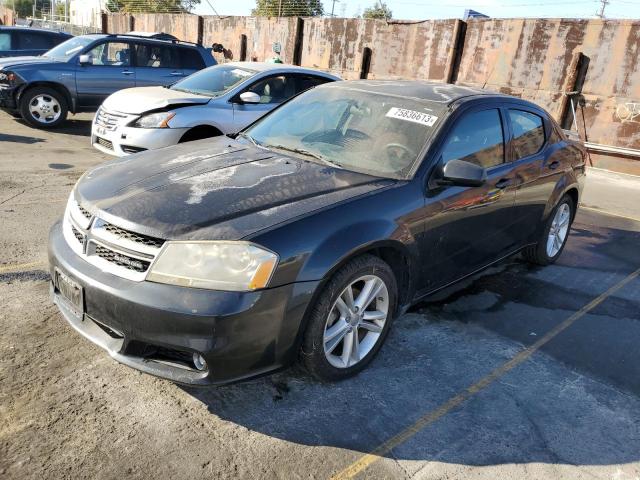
point(568, 409)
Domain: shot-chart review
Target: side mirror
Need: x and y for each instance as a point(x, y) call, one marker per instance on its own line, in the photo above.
point(85, 60)
point(459, 172)
point(249, 97)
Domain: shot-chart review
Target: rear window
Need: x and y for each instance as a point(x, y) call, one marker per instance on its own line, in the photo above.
point(5, 41)
point(35, 41)
point(191, 59)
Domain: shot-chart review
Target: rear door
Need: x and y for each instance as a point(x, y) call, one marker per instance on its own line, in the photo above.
point(467, 228)
point(110, 70)
point(157, 64)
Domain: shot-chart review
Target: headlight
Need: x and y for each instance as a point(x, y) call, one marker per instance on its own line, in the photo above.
point(234, 266)
point(155, 120)
point(8, 77)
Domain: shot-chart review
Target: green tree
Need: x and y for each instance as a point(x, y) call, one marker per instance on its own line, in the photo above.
point(23, 8)
point(152, 6)
point(288, 8)
point(379, 10)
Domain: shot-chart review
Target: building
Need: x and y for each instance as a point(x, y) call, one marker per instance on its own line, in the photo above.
point(86, 12)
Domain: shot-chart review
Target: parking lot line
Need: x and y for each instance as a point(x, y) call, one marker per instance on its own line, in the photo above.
point(368, 459)
point(20, 266)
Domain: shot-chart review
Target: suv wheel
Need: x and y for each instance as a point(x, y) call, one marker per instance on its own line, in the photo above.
point(43, 107)
point(350, 319)
point(554, 236)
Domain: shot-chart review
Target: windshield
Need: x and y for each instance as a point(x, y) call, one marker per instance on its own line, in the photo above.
point(362, 131)
point(68, 49)
point(213, 81)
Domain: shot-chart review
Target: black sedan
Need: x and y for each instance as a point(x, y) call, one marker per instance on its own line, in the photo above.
point(303, 237)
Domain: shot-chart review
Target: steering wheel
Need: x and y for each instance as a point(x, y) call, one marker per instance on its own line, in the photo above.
point(397, 151)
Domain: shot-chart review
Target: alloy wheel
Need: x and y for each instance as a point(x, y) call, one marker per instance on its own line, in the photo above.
point(559, 229)
point(45, 109)
point(356, 321)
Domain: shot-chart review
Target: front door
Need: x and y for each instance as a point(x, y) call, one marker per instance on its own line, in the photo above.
point(272, 90)
point(110, 70)
point(466, 228)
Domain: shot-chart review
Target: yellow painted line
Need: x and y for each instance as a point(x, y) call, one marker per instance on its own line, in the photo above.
point(604, 212)
point(21, 266)
point(430, 417)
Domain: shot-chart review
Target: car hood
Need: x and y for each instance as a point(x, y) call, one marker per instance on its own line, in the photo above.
point(214, 189)
point(143, 99)
point(12, 62)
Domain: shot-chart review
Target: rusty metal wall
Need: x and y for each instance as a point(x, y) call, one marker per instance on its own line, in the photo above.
point(531, 59)
point(416, 50)
point(261, 33)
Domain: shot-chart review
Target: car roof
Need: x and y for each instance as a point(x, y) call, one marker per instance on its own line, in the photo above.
point(444, 93)
point(20, 28)
point(145, 38)
point(282, 67)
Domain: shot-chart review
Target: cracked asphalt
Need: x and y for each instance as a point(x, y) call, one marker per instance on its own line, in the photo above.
point(569, 408)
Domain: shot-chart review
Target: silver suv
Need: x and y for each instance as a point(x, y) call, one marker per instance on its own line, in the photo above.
point(215, 101)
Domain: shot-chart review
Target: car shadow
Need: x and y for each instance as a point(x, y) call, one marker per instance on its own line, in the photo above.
point(4, 137)
point(576, 402)
point(72, 126)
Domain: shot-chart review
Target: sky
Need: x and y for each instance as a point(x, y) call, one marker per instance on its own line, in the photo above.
point(423, 9)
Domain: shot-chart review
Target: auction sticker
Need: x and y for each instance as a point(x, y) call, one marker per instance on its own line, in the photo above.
point(412, 116)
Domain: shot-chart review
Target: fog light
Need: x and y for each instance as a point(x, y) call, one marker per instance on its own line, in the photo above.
point(199, 362)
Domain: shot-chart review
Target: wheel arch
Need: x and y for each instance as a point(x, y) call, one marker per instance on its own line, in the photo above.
point(200, 132)
point(64, 91)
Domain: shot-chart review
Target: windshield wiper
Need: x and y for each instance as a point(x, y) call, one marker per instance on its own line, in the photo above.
point(250, 138)
point(307, 153)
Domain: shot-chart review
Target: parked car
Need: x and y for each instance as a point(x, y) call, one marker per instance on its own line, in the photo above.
point(20, 41)
point(304, 236)
point(77, 75)
point(218, 100)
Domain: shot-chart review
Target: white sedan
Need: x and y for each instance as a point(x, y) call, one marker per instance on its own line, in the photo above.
point(215, 101)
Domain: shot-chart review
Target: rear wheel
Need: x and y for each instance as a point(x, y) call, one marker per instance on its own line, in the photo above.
point(43, 107)
point(350, 319)
point(554, 236)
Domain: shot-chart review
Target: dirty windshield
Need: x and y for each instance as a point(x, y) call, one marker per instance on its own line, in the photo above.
point(362, 131)
point(68, 49)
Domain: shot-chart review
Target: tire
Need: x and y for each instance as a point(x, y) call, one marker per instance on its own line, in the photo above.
point(541, 253)
point(15, 114)
point(326, 313)
point(43, 107)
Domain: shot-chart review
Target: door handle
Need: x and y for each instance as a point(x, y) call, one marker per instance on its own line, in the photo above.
point(127, 72)
point(555, 164)
point(503, 183)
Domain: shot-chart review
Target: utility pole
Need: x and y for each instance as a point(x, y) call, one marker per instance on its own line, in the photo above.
point(279, 8)
point(603, 4)
point(333, 6)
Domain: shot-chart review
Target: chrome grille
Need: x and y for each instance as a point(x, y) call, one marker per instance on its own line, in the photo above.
point(121, 260)
point(84, 212)
point(76, 233)
point(133, 237)
point(108, 120)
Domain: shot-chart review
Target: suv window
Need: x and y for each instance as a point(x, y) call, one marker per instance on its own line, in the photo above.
point(476, 138)
point(156, 56)
point(5, 41)
point(34, 41)
point(274, 89)
point(306, 82)
point(191, 58)
point(111, 54)
point(528, 133)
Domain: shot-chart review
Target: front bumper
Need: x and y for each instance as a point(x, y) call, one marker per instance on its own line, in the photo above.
point(8, 97)
point(140, 324)
point(125, 140)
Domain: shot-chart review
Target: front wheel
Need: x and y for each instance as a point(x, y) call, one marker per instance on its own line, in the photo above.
point(555, 234)
point(350, 319)
point(43, 107)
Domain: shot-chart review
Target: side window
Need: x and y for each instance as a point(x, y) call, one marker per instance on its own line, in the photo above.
point(34, 41)
point(156, 56)
point(191, 59)
point(528, 133)
point(5, 41)
point(111, 54)
point(274, 89)
point(476, 138)
point(306, 82)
